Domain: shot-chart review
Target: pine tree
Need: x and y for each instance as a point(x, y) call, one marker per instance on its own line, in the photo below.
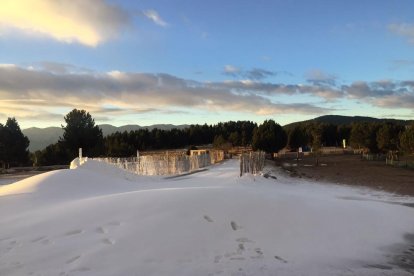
point(81, 132)
point(407, 140)
point(269, 137)
point(13, 144)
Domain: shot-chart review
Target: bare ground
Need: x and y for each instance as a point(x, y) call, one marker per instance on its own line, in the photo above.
point(351, 170)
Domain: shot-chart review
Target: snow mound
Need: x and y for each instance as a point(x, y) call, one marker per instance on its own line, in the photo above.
point(87, 178)
point(27, 185)
point(75, 163)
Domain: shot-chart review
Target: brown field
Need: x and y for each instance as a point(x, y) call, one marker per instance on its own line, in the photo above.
point(351, 170)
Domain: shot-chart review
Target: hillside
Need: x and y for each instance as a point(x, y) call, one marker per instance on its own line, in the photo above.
point(344, 120)
point(42, 137)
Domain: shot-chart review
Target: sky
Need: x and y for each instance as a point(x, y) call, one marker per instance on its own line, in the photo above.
point(187, 62)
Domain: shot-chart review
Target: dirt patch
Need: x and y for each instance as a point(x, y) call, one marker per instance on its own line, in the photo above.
point(351, 170)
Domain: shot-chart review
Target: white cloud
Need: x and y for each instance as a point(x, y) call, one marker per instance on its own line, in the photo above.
point(155, 17)
point(87, 22)
point(231, 70)
point(116, 74)
point(7, 65)
point(403, 29)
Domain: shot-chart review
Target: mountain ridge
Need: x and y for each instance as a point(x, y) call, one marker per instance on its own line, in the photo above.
point(344, 120)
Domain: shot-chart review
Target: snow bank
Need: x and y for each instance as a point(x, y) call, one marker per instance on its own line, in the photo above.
point(95, 220)
point(75, 163)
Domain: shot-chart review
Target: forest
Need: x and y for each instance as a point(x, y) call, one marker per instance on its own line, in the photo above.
point(81, 131)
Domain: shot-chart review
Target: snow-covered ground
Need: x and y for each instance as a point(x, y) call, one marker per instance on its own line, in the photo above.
point(99, 220)
point(6, 179)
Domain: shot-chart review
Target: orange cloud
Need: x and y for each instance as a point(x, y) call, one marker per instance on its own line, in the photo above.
point(86, 22)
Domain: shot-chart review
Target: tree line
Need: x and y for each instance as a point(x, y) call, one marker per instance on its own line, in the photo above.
point(373, 137)
point(13, 145)
point(81, 131)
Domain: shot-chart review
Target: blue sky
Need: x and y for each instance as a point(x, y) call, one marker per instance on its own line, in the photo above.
point(183, 62)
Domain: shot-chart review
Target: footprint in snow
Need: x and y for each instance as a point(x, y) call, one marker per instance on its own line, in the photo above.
point(13, 243)
point(72, 260)
point(237, 259)
point(240, 248)
point(101, 230)
point(259, 253)
point(17, 265)
point(108, 241)
point(74, 232)
point(46, 242)
point(81, 269)
point(281, 259)
point(38, 239)
point(243, 240)
point(234, 226)
point(217, 259)
point(115, 223)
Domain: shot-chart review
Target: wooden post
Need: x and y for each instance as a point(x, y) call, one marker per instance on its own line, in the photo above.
point(137, 167)
point(168, 166)
point(241, 165)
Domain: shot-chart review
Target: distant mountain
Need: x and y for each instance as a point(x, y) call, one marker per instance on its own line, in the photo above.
point(109, 129)
point(344, 120)
point(43, 137)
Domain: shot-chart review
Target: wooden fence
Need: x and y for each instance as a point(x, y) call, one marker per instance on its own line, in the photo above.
point(252, 162)
point(402, 164)
point(373, 157)
point(165, 164)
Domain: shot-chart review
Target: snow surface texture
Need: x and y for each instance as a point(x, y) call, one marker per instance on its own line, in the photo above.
point(99, 220)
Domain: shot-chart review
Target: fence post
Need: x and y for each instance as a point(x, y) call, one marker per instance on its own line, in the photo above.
point(137, 166)
point(168, 163)
point(241, 165)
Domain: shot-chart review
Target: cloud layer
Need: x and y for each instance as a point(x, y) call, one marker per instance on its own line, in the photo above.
point(53, 87)
point(87, 22)
point(25, 88)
